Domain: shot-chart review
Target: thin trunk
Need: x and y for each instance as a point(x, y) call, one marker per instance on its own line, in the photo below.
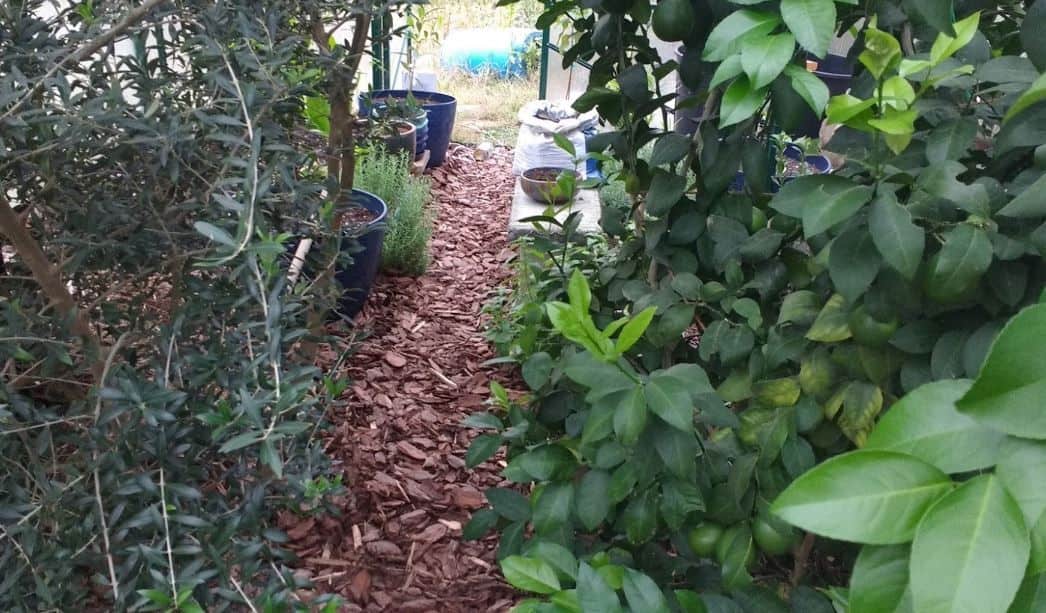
point(49, 278)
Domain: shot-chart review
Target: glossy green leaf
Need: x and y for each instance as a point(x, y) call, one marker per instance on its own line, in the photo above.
point(630, 417)
point(670, 400)
point(509, 504)
point(926, 424)
point(642, 593)
point(729, 34)
point(481, 449)
point(879, 583)
point(740, 101)
point(1032, 27)
point(634, 329)
point(950, 140)
point(873, 497)
point(881, 52)
point(960, 264)
point(847, 109)
point(970, 551)
point(810, 88)
point(853, 263)
point(1029, 203)
point(215, 233)
point(937, 13)
point(1008, 393)
point(739, 550)
point(822, 201)
point(536, 370)
point(530, 575)
point(551, 508)
point(640, 518)
point(946, 45)
point(812, 22)
point(558, 557)
point(1021, 465)
point(726, 70)
point(592, 501)
point(1037, 564)
point(482, 522)
point(677, 449)
point(669, 149)
point(1031, 598)
point(800, 308)
point(665, 191)
point(831, 325)
point(593, 592)
point(899, 241)
point(763, 58)
point(679, 498)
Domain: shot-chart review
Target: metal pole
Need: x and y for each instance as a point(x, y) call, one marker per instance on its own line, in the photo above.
point(376, 68)
point(543, 79)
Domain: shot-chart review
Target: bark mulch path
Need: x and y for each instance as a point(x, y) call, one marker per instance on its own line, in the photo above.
point(398, 437)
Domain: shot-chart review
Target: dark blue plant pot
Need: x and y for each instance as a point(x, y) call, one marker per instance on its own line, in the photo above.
point(441, 108)
point(357, 279)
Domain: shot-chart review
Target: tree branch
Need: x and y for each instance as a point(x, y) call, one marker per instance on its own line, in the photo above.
point(50, 281)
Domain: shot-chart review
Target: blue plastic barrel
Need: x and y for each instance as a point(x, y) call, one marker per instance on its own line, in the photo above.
point(497, 51)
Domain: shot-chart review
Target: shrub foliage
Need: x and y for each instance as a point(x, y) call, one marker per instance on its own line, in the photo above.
point(158, 399)
point(741, 337)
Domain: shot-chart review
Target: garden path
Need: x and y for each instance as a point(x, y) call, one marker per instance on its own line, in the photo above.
point(398, 435)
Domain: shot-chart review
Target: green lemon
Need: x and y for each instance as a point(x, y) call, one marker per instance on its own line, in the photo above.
point(758, 220)
point(773, 540)
point(869, 331)
point(784, 223)
point(704, 537)
point(673, 19)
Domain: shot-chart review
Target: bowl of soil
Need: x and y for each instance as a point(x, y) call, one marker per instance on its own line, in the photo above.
point(543, 184)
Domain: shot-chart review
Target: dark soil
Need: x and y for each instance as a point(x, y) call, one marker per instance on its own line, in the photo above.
point(550, 175)
point(397, 435)
point(355, 218)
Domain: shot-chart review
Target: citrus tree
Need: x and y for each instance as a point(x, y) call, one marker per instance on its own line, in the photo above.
point(769, 330)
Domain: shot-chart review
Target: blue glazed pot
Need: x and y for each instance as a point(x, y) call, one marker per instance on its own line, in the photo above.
point(357, 279)
point(442, 109)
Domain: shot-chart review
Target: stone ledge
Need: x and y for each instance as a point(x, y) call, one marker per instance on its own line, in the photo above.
point(586, 202)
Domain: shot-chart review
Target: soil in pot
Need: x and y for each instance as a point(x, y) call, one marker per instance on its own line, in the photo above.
point(354, 219)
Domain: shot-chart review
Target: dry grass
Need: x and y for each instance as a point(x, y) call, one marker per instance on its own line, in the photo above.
point(487, 107)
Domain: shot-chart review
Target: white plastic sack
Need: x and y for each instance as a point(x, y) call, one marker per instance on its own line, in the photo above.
point(536, 146)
